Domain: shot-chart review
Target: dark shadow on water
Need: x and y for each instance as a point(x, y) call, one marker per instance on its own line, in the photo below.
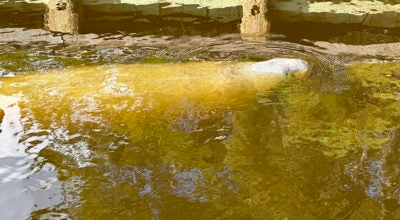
point(339, 33)
point(160, 28)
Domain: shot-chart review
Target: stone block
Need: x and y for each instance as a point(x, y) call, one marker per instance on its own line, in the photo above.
point(314, 17)
point(224, 14)
point(398, 21)
point(195, 10)
point(123, 8)
point(386, 19)
point(356, 18)
point(337, 18)
point(151, 9)
point(389, 19)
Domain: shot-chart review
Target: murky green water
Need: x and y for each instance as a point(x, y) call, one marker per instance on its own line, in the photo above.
point(200, 141)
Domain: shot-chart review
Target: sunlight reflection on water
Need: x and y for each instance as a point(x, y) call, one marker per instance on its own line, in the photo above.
point(195, 140)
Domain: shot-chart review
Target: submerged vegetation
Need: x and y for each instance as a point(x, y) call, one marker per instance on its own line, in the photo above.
point(17, 63)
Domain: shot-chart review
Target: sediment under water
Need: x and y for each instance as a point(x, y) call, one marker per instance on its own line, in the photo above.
point(199, 140)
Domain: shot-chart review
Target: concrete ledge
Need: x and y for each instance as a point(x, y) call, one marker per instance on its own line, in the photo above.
point(363, 12)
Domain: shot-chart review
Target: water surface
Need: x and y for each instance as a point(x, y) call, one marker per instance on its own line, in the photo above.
point(200, 140)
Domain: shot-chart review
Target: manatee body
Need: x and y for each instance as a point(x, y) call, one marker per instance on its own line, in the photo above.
point(280, 66)
point(199, 82)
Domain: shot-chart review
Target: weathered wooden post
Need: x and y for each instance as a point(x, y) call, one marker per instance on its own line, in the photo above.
point(62, 16)
point(255, 25)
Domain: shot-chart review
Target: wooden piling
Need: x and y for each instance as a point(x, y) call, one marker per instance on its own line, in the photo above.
point(62, 16)
point(255, 25)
